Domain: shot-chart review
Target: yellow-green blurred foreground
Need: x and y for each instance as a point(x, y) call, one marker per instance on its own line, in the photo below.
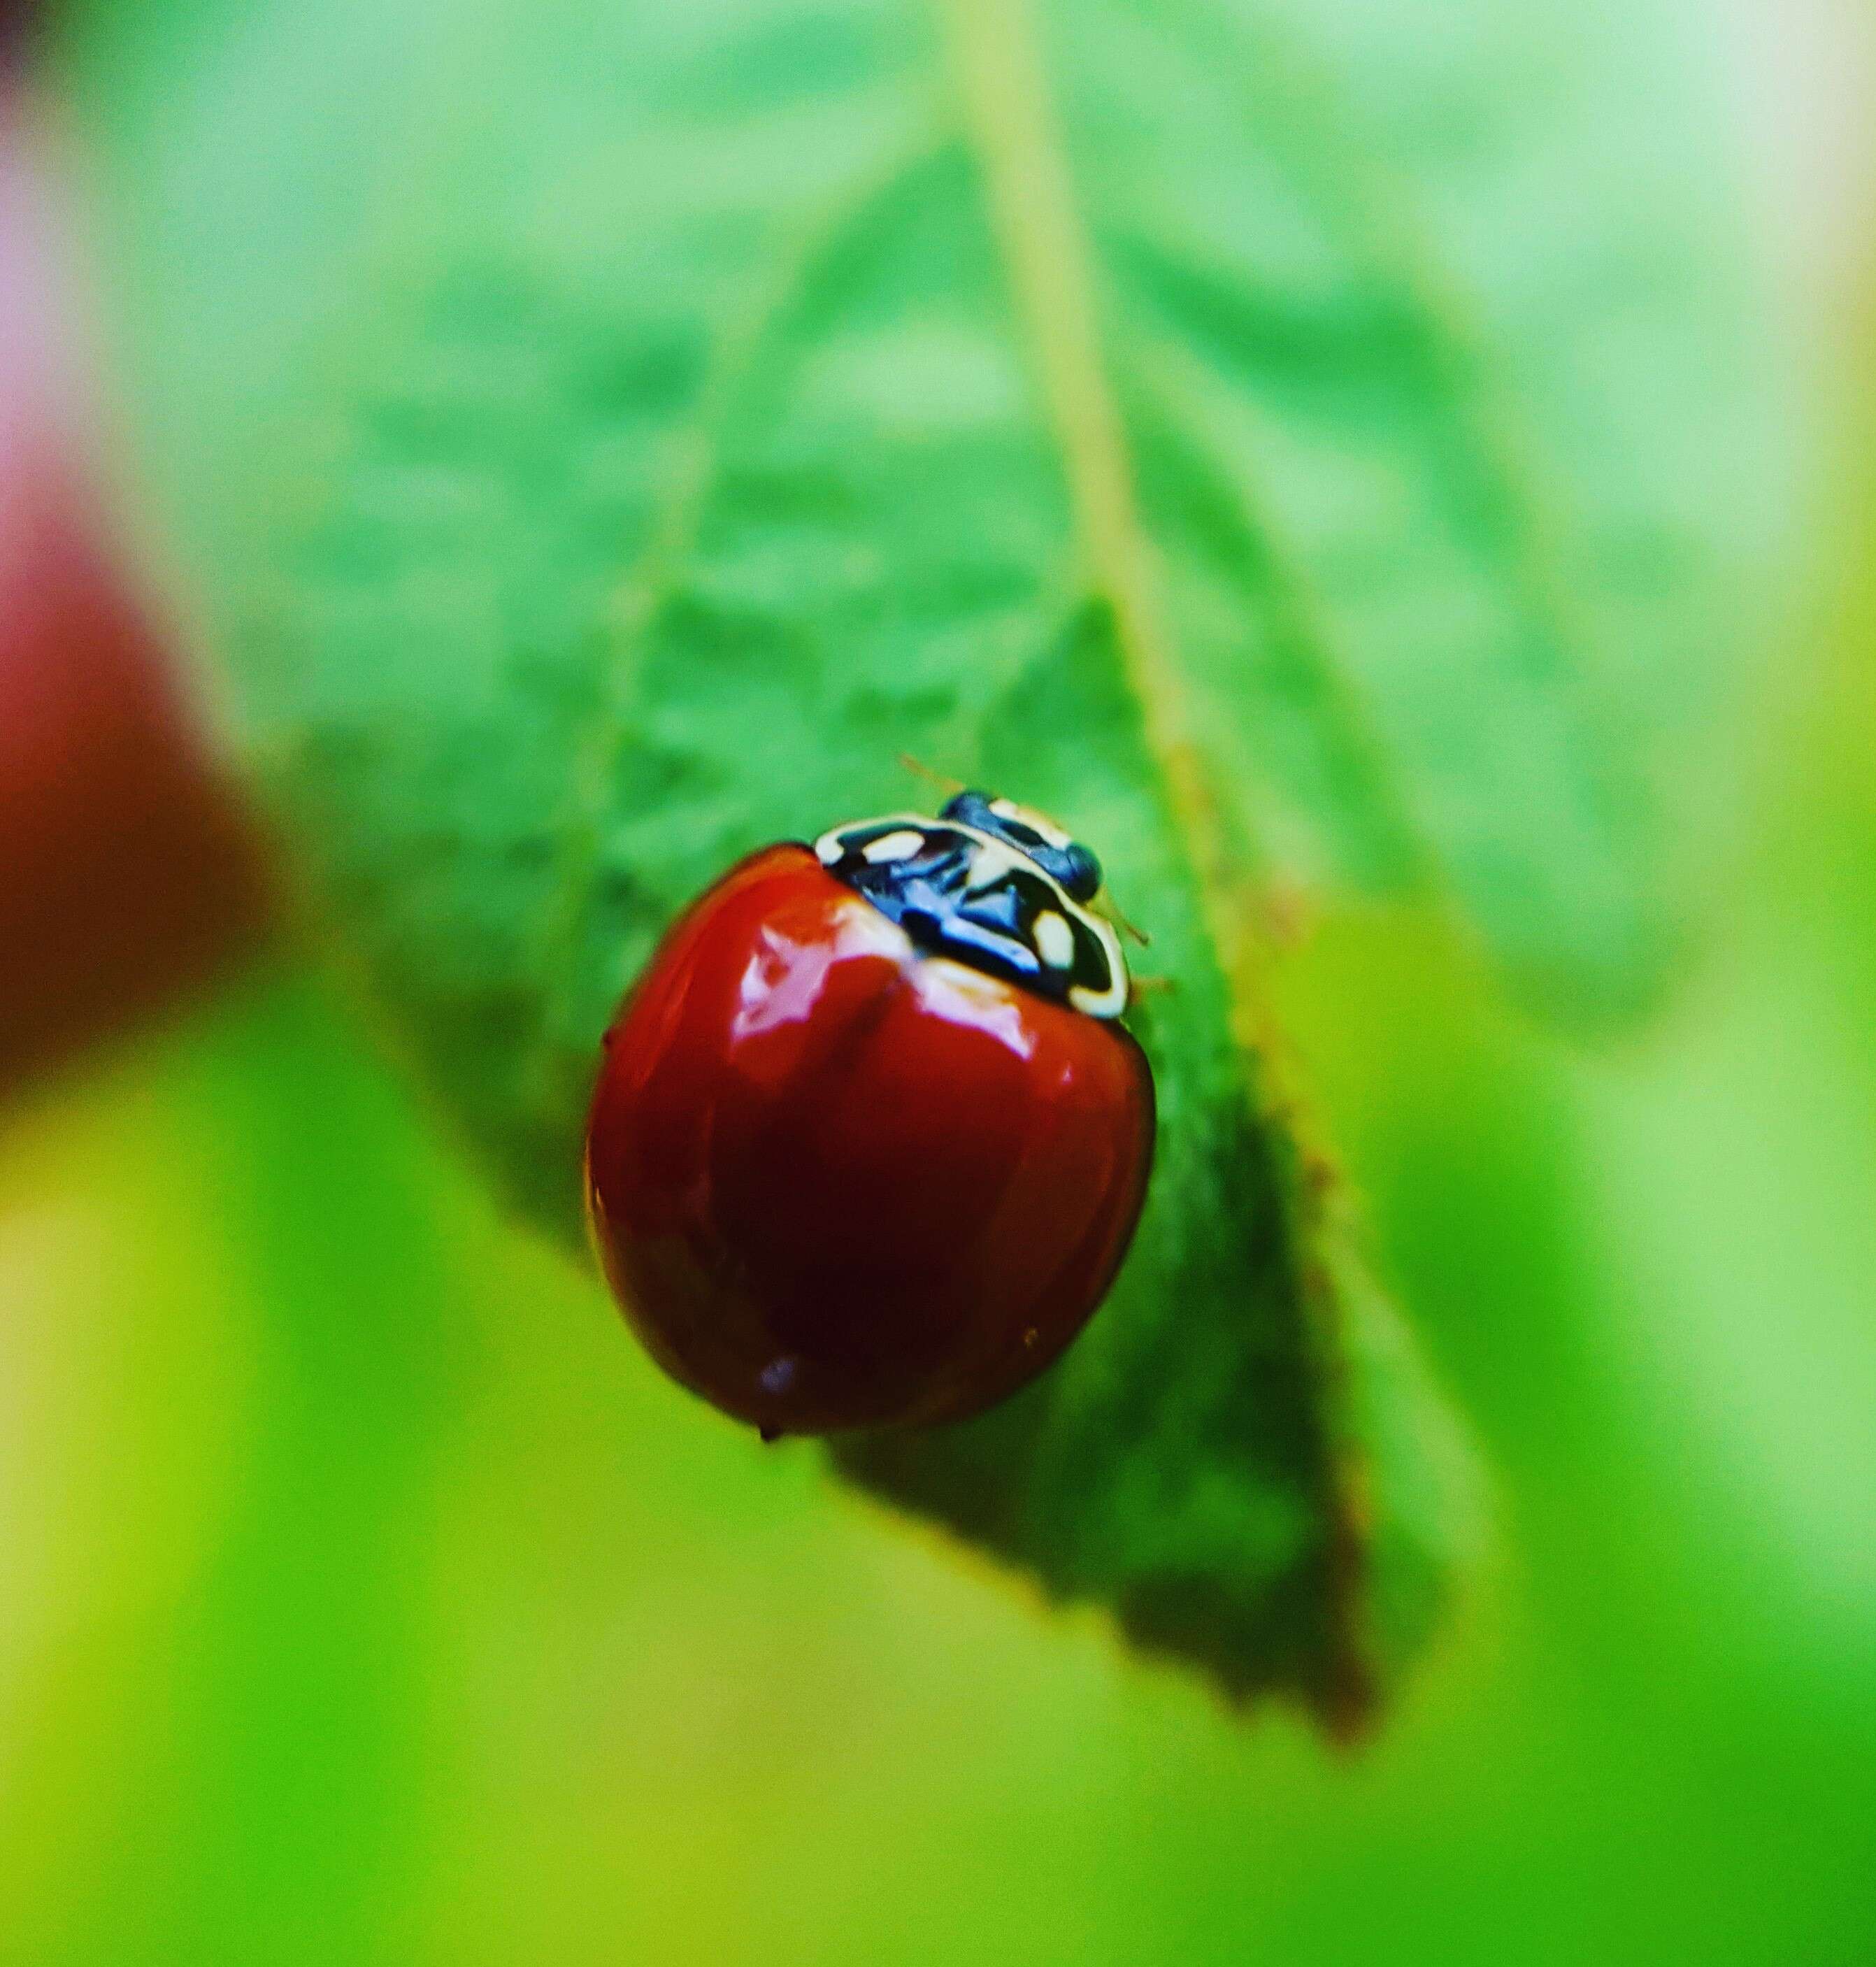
point(366, 1597)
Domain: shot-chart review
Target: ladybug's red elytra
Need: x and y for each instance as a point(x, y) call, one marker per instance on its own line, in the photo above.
point(867, 1145)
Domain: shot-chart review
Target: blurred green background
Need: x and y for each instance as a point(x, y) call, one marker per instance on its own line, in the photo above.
point(365, 1596)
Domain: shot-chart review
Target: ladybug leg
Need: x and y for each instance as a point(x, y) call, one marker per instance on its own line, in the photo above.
point(1110, 908)
point(1152, 986)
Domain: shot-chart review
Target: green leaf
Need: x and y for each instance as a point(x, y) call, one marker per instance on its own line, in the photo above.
point(1281, 442)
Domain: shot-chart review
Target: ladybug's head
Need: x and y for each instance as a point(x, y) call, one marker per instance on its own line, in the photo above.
point(1033, 833)
point(994, 885)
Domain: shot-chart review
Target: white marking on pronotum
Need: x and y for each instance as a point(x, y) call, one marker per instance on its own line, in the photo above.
point(990, 860)
point(835, 845)
point(1108, 1003)
point(1043, 828)
point(1054, 939)
point(900, 846)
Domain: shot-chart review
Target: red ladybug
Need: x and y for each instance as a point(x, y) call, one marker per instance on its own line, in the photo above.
point(867, 1146)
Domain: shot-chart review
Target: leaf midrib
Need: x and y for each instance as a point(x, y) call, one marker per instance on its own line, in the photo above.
point(1044, 245)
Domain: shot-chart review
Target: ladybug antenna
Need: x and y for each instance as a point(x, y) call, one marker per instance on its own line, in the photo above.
point(1111, 909)
point(920, 770)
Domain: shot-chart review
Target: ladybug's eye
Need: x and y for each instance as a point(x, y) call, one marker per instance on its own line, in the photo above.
point(1081, 872)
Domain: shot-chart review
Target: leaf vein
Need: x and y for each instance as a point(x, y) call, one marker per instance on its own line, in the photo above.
point(650, 585)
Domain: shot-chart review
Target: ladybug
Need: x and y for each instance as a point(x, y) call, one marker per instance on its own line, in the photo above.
point(868, 1146)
